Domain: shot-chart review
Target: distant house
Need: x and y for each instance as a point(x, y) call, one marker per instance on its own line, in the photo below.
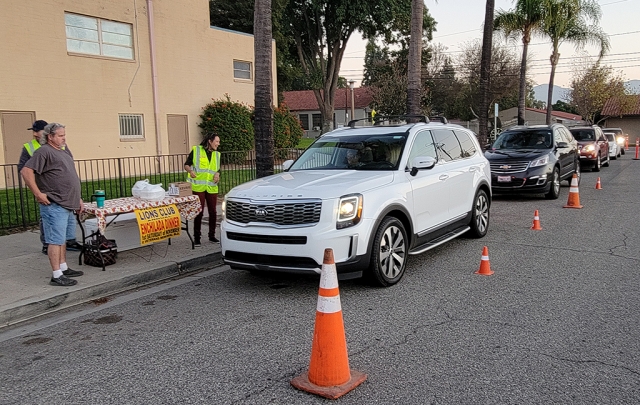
point(534, 116)
point(304, 104)
point(628, 120)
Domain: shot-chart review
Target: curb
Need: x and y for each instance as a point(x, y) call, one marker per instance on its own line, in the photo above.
point(24, 311)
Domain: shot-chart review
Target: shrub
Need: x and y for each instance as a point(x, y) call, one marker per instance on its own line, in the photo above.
point(232, 121)
point(287, 130)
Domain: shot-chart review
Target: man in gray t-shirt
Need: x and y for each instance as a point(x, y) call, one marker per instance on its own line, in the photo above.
point(51, 175)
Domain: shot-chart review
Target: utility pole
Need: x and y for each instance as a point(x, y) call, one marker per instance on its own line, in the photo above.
point(353, 115)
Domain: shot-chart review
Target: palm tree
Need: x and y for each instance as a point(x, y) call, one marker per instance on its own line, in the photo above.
point(524, 20)
point(414, 72)
point(485, 70)
point(263, 112)
point(574, 21)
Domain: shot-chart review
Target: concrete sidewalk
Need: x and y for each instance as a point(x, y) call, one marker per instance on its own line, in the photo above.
point(25, 292)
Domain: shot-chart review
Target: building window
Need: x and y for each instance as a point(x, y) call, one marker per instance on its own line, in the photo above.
point(304, 120)
point(317, 122)
point(95, 36)
point(131, 126)
point(242, 70)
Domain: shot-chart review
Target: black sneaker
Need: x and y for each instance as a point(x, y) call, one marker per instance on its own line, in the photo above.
point(45, 250)
point(74, 246)
point(213, 239)
point(197, 243)
point(72, 273)
point(63, 281)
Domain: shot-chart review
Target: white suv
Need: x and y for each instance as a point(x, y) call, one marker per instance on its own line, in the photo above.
point(372, 194)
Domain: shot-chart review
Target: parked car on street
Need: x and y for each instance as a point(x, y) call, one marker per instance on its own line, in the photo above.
point(594, 147)
point(375, 195)
point(614, 148)
point(621, 137)
point(533, 159)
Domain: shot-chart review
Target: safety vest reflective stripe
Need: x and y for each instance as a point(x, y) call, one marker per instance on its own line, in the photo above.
point(31, 146)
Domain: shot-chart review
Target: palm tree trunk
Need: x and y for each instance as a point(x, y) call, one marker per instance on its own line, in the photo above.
point(263, 123)
point(555, 56)
point(415, 60)
point(522, 92)
point(485, 71)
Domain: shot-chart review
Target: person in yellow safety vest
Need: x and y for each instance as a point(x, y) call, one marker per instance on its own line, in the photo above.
point(203, 166)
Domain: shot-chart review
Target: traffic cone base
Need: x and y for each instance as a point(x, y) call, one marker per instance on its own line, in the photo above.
point(302, 382)
point(485, 267)
point(329, 374)
point(574, 194)
point(536, 222)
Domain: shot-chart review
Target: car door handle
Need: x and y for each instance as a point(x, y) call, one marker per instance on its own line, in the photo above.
point(443, 176)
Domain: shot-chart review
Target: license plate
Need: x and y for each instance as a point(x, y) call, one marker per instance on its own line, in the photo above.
point(504, 179)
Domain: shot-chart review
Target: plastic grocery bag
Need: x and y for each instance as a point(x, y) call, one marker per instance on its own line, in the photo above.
point(138, 187)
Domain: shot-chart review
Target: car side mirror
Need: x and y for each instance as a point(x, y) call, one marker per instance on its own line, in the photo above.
point(287, 164)
point(422, 162)
point(562, 145)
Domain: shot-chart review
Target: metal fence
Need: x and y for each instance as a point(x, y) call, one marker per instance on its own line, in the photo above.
point(116, 176)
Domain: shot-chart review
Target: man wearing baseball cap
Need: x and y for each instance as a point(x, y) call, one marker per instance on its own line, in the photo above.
point(27, 152)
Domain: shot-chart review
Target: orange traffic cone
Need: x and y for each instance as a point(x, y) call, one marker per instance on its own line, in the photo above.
point(536, 222)
point(598, 185)
point(485, 267)
point(574, 194)
point(329, 375)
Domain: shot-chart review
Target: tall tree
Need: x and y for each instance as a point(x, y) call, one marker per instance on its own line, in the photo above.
point(263, 112)
point(524, 20)
point(322, 28)
point(592, 87)
point(414, 73)
point(485, 70)
point(573, 21)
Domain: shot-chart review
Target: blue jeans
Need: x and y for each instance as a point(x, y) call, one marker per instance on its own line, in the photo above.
point(59, 224)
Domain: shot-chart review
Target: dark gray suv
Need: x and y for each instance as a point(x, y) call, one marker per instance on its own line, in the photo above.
point(533, 159)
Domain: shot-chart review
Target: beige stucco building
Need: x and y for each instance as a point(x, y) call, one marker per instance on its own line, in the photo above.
point(127, 77)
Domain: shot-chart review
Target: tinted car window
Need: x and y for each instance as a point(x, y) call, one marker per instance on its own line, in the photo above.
point(538, 139)
point(567, 135)
point(610, 137)
point(447, 144)
point(467, 145)
point(584, 134)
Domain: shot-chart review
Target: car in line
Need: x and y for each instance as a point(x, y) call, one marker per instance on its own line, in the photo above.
point(594, 147)
point(373, 194)
point(621, 137)
point(533, 160)
point(614, 148)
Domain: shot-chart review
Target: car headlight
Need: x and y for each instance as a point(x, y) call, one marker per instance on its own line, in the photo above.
point(620, 140)
point(540, 161)
point(349, 211)
point(589, 148)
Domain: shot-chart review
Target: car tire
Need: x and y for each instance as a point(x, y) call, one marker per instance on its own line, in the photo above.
point(622, 152)
point(479, 215)
point(389, 253)
point(607, 162)
point(554, 189)
point(597, 165)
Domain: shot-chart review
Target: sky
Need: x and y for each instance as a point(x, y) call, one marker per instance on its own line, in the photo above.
point(460, 22)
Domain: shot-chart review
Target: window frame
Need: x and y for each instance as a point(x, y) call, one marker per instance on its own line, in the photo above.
point(250, 70)
point(100, 41)
point(140, 125)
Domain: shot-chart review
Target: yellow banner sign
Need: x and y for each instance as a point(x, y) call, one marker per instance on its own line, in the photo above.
point(158, 223)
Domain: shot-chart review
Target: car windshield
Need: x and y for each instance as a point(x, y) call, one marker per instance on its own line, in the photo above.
point(584, 134)
point(357, 152)
point(610, 137)
point(524, 140)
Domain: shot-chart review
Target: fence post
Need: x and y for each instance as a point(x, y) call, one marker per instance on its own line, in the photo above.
point(120, 177)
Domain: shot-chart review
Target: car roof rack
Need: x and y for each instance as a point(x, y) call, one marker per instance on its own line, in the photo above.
point(380, 118)
point(439, 119)
point(352, 123)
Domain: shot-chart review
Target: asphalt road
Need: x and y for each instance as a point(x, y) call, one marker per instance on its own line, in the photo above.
point(556, 323)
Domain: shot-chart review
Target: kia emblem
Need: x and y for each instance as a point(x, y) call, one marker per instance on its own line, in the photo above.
point(261, 213)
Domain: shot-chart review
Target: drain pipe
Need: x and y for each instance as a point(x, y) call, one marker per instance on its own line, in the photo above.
point(154, 77)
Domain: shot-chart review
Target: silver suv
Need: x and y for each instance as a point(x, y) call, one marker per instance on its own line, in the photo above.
point(373, 194)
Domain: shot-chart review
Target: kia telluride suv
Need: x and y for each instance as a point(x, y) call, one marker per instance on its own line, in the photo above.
point(533, 159)
point(594, 147)
point(373, 194)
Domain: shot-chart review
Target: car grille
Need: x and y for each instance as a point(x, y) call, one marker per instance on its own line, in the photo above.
point(280, 213)
point(280, 239)
point(511, 167)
